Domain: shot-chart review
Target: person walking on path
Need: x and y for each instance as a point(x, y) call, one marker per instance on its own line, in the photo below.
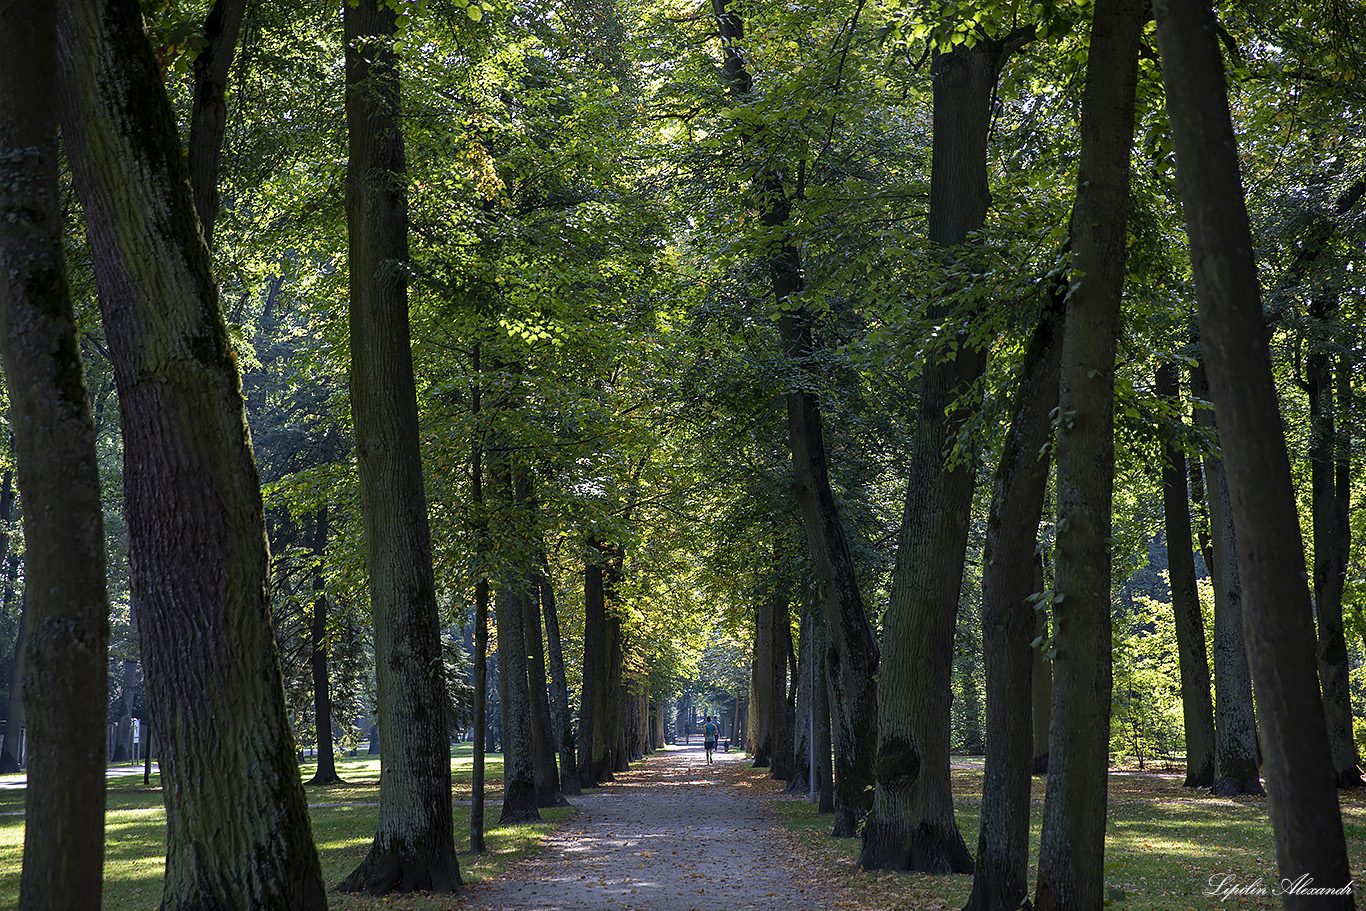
point(710, 731)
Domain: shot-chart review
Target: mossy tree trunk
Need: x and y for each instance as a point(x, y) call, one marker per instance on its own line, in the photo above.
point(238, 832)
point(1009, 620)
point(414, 845)
point(1072, 842)
point(1278, 623)
point(67, 616)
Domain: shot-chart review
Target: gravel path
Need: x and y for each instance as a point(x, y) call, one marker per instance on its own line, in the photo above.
point(674, 834)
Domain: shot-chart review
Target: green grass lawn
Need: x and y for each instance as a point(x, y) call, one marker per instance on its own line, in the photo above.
point(343, 826)
point(1162, 845)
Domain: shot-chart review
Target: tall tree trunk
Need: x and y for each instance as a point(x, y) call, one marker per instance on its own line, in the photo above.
point(598, 712)
point(618, 734)
point(1009, 621)
point(414, 846)
point(761, 682)
point(66, 681)
point(1235, 758)
point(853, 651)
point(238, 832)
point(512, 593)
point(913, 826)
point(1329, 458)
point(1197, 710)
point(1072, 843)
point(559, 687)
point(1278, 621)
point(326, 773)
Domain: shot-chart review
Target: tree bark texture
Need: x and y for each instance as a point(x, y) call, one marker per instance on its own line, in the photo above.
point(559, 687)
point(67, 617)
point(1197, 709)
point(1329, 458)
point(326, 773)
point(1278, 622)
point(1235, 758)
point(1072, 843)
point(912, 826)
point(1009, 620)
point(853, 659)
point(238, 831)
point(414, 846)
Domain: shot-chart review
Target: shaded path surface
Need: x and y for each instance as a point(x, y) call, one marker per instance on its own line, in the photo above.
point(673, 834)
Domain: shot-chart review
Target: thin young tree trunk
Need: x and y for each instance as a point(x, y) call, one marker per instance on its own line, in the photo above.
point(1235, 758)
point(559, 687)
point(1331, 541)
point(1278, 621)
point(1197, 710)
point(67, 643)
point(326, 773)
point(238, 832)
point(1009, 620)
point(1072, 843)
point(414, 845)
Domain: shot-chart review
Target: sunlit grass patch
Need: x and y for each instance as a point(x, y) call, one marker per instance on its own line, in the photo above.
point(343, 818)
point(1163, 844)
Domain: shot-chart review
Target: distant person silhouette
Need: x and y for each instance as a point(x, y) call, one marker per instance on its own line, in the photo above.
point(710, 731)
